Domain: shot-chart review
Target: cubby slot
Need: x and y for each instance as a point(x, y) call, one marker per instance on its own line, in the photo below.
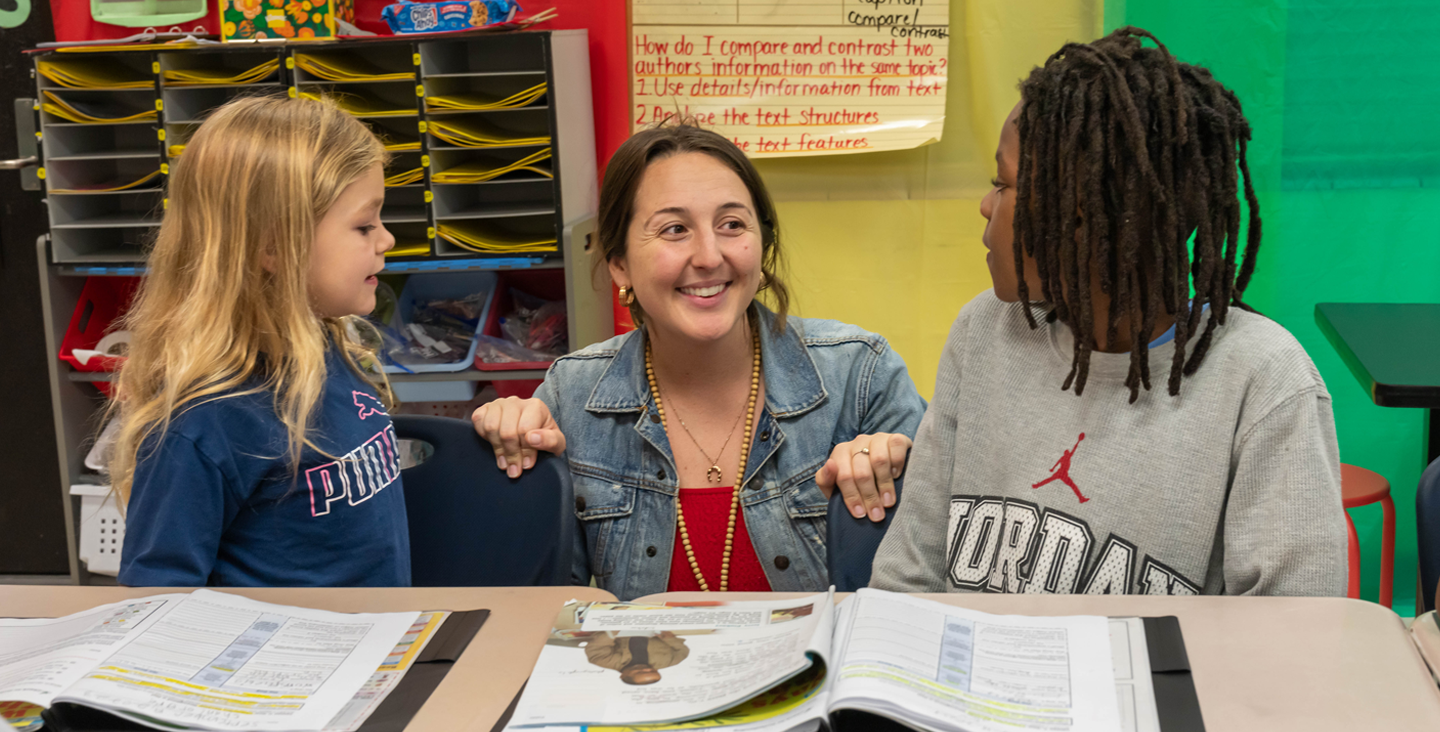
point(497, 237)
point(109, 175)
point(498, 165)
point(484, 202)
point(355, 66)
point(75, 107)
point(498, 54)
point(94, 246)
point(194, 104)
point(96, 72)
point(130, 209)
point(404, 206)
point(384, 99)
point(476, 130)
point(189, 70)
point(456, 94)
point(411, 240)
point(99, 141)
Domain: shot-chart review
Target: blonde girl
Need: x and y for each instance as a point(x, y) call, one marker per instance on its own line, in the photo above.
point(253, 448)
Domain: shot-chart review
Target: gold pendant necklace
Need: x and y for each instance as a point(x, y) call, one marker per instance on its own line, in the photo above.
point(740, 472)
point(714, 474)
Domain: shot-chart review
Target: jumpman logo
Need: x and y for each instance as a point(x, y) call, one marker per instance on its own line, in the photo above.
point(1062, 470)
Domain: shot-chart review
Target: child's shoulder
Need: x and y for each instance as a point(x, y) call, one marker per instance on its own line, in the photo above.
point(1262, 352)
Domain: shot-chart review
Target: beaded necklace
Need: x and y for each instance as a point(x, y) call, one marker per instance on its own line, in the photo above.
point(740, 472)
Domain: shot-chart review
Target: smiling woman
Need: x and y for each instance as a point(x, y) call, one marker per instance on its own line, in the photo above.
point(704, 446)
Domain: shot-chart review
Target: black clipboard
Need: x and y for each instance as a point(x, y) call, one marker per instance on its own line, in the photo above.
point(1177, 705)
point(426, 673)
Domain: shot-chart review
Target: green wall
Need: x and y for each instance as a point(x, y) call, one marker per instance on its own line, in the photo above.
point(1343, 99)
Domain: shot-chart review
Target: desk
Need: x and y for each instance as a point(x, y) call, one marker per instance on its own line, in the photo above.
point(1264, 663)
point(1394, 351)
point(475, 692)
point(1270, 664)
point(1426, 631)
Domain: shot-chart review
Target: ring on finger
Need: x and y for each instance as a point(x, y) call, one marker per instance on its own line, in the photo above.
point(863, 451)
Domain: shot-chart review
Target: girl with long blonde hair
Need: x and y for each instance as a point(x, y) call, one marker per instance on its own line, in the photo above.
point(254, 449)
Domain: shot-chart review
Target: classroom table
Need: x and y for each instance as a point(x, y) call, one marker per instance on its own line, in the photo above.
point(1273, 664)
point(1393, 349)
point(1426, 632)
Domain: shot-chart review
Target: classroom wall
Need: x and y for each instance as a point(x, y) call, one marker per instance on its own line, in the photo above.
point(890, 241)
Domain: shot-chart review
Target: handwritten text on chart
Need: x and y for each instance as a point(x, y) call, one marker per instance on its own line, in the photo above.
point(786, 77)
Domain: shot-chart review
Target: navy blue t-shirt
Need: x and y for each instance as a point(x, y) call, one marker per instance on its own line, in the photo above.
point(218, 504)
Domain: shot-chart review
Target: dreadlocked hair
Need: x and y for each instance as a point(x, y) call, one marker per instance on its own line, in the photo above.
point(1125, 152)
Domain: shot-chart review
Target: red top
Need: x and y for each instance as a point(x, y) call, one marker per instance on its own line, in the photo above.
point(707, 513)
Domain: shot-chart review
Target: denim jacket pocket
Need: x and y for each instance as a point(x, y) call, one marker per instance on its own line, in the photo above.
point(603, 504)
point(803, 498)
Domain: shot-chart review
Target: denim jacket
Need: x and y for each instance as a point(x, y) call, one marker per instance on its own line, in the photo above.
point(825, 383)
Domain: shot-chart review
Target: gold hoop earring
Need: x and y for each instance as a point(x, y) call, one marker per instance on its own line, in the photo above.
point(627, 296)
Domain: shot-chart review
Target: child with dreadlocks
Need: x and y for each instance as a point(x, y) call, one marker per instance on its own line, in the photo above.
point(1117, 155)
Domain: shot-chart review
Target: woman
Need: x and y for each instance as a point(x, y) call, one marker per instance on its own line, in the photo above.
point(711, 381)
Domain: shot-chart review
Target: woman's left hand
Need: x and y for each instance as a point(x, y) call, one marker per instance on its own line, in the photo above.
point(865, 469)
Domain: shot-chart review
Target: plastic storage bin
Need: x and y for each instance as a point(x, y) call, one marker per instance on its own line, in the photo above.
point(102, 301)
point(102, 528)
point(421, 288)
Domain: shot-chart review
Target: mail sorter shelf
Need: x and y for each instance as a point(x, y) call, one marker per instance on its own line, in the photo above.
point(143, 106)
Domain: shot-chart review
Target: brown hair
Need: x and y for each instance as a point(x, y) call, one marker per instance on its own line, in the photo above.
point(674, 136)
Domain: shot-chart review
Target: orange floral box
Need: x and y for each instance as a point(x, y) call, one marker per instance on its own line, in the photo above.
point(276, 20)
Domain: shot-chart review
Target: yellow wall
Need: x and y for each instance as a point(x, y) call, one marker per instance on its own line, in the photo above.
point(891, 241)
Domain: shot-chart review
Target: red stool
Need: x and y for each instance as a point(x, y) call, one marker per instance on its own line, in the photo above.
point(1361, 487)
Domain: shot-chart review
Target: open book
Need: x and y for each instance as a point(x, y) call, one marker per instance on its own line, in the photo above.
point(208, 660)
point(797, 664)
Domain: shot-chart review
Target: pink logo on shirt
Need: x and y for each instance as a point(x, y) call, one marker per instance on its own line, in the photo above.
point(368, 404)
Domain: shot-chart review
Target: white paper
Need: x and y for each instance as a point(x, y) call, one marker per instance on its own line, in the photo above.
point(40, 658)
point(708, 659)
point(224, 662)
point(917, 660)
point(388, 676)
point(1134, 690)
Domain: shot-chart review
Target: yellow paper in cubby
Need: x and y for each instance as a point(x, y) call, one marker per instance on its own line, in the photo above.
point(409, 249)
point(479, 172)
point(332, 68)
point(476, 101)
point(87, 114)
point(109, 188)
point(405, 178)
point(197, 77)
point(92, 74)
point(474, 133)
point(489, 243)
point(362, 105)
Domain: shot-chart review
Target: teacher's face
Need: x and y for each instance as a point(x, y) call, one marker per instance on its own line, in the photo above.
point(693, 248)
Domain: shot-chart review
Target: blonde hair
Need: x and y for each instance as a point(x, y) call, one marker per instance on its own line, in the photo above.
point(225, 299)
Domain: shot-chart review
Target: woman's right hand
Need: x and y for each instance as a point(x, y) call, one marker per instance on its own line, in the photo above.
point(517, 429)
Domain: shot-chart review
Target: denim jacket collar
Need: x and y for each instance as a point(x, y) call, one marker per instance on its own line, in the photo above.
point(792, 382)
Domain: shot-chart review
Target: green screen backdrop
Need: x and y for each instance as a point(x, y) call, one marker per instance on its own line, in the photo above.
point(1343, 99)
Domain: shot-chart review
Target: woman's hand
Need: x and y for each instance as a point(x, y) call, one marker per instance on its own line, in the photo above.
point(517, 429)
point(865, 469)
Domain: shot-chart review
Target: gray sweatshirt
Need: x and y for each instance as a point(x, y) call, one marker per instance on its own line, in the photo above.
point(1013, 485)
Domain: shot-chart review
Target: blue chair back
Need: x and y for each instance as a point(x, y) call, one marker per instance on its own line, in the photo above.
point(1427, 525)
point(471, 525)
point(851, 542)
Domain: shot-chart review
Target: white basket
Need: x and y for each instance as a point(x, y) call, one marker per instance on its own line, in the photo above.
point(102, 529)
